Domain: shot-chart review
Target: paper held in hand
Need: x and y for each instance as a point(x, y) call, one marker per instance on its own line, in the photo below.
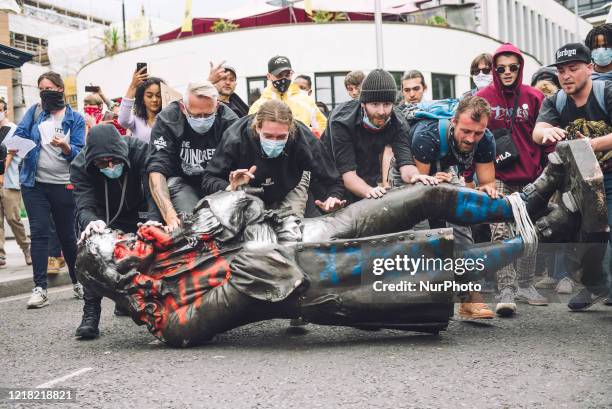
point(21, 145)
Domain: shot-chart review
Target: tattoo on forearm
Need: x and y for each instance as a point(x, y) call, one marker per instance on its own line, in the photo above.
point(161, 194)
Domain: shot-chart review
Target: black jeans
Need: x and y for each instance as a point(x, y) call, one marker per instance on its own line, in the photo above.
point(40, 201)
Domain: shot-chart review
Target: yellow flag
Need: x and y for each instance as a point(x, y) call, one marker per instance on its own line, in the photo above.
point(308, 7)
point(187, 22)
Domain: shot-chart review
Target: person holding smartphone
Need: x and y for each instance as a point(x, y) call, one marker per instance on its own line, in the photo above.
point(141, 104)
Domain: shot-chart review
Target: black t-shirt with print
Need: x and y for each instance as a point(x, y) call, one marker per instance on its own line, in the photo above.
point(589, 111)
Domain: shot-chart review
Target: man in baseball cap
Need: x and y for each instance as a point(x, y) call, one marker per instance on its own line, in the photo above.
point(580, 98)
point(280, 87)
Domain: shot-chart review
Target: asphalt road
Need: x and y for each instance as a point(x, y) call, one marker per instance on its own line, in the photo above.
point(546, 357)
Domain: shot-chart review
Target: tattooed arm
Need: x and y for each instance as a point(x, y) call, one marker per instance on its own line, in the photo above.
point(161, 195)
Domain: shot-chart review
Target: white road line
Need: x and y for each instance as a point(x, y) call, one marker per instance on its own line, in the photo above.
point(26, 296)
point(63, 378)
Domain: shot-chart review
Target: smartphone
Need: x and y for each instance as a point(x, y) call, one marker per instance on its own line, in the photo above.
point(140, 65)
point(92, 88)
point(109, 116)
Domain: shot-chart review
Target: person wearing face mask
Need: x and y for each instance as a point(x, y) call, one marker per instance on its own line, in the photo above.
point(514, 111)
point(481, 72)
point(140, 105)
point(59, 135)
point(599, 41)
point(110, 191)
point(357, 133)
point(280, 87)
point(272, 150)
point(184, 139)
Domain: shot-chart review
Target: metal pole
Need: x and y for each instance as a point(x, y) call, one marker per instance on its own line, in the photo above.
point(123, 18)
point(380, 63)
point(577, 21)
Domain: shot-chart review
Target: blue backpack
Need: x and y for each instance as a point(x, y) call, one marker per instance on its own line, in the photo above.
point(442, 110)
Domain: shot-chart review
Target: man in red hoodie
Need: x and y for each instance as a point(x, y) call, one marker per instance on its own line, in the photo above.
point(514, 110)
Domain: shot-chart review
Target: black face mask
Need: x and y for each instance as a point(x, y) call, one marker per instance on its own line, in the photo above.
point(282, 85)
point(52, 100)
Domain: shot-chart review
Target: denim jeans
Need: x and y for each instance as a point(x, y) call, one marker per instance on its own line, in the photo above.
point(40, 201)
point(55, 249)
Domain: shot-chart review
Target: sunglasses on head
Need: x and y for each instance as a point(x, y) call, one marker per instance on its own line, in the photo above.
point(485, 71)
point(500, 69)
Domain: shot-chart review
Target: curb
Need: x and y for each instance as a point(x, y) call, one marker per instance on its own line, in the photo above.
point(24, 285)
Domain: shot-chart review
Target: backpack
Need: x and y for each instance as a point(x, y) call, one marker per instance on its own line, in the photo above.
point(442, 110)
point(599, 88)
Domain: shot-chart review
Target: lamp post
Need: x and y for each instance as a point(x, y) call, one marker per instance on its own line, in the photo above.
point(380, 63)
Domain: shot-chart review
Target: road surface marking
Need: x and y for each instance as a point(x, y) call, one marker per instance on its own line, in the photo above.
point(63, 378)
point(26, 296)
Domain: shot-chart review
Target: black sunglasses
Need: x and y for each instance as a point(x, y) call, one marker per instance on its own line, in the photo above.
point(500, 69)
point(485, 71)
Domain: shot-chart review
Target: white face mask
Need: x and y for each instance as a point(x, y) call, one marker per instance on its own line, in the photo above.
point(482, 80)
point(2, 116)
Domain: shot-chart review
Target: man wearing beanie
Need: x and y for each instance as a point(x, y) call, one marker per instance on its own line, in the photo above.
point(358, 131)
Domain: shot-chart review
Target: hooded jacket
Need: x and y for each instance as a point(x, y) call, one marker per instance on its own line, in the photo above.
point(178, 150)
point(241, 149)
point(502, 99)
point(93, 190)
point(303, 107)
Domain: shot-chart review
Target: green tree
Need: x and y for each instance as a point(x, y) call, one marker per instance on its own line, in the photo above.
point(221, 25)
point(319, 16)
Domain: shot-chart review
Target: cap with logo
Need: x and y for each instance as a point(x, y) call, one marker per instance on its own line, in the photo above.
point(278, 64)
point(572, 52)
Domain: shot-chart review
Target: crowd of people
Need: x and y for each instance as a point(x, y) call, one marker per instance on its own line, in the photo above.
point(135, 160)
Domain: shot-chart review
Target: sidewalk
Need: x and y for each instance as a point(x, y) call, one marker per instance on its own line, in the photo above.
point(16, 276)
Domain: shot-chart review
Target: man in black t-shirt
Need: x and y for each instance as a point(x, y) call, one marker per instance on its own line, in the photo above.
point(184, 138)
point(580, 97)
point(358, 131)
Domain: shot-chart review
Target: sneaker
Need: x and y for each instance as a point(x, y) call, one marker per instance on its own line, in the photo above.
point(608, 301)
point(38, 299)
point(475, 310)
point(506, 306)
point(565, 286)
point(53, 267)
point(531, 296)
point(546, 282)
point(583, 300)
point(78, 290)
point(28, 256)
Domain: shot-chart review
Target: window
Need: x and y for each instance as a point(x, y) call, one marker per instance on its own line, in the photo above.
point(329, 89)
point(255, 86)
point(442, 86)
point(33, 45)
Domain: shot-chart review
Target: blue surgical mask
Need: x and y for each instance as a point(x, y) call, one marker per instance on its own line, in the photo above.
point(370, 125)
point(201, 125)
point(272, 148)
point(602, 56)
point(114, 172)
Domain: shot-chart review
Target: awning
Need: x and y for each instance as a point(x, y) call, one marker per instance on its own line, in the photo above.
point(12, 58)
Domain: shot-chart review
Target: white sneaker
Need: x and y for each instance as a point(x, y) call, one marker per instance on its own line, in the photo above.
point(78, 290)
point(565, 286)
point(38, 299)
